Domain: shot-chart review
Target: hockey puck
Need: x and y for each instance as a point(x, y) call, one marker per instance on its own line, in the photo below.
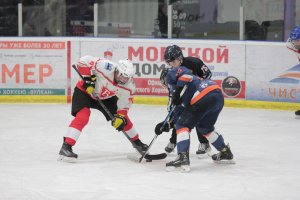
point(148, 160)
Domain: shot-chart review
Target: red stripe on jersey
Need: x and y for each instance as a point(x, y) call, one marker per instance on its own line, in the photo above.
point(84, 70)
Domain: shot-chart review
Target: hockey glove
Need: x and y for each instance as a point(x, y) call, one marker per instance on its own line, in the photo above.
point(89, 83)
point(161, 127)
point(176, 100)
point(119, 122)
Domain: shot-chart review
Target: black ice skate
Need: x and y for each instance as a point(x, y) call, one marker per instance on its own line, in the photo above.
point(203, 150)
point(66, 153)
point(141, 147)
point(225, 156)
point(181, 162)
point(170, 147)
point(297, 113)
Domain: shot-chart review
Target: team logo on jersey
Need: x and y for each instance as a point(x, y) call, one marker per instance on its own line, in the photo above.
point(231, 86)
point(105, 92)
point(290, 76)
point(178, 71)
point(108, 66)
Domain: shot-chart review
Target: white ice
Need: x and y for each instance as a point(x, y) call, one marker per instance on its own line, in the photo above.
point(265, 143)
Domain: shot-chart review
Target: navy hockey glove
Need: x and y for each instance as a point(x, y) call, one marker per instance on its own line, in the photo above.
point(176, 100)
point(161, 127)
point(119, 122)
point(89, 83)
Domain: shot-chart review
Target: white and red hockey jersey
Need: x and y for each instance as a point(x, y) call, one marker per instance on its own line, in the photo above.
point(105, 86)
point(290, 46)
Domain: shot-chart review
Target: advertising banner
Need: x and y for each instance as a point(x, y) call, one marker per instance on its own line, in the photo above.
point(30, 67)
point(225, 59)
point(273, 73)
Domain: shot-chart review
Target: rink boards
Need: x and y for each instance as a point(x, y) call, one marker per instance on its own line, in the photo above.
point(251, 74)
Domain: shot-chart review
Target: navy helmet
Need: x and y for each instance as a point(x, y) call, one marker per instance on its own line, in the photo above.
point(295, 33)
point(172, 53)
point(294, 38)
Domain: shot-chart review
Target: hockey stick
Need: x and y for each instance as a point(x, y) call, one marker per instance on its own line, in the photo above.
point(164, 123)
point(149, 157)
point(155, 136)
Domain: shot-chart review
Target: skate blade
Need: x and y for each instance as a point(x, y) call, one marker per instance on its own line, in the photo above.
point(62, 158)
point(183, 169)
point(297, 117)
point(225, 162)
point(205, 155)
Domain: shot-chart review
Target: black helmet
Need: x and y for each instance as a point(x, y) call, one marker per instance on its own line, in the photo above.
point(173, 52)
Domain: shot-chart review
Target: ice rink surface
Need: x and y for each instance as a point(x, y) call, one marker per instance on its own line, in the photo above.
point(265, 143)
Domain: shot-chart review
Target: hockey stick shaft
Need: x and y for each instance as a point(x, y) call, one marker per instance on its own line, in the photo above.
point(164, 123)
point(109, 113)
point(155, 136)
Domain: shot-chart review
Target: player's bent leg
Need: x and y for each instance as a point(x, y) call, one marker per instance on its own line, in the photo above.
point(182, 161)
point(225, 155)
point(204, 149)
point(172, 144)
point(74, 130)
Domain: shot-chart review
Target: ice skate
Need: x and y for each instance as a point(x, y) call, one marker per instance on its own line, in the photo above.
point(182, 162)
point(140, 146)
point(66, 153)
point(225, 156)
point(297, 113)
point(204, 150)
point(170, 147)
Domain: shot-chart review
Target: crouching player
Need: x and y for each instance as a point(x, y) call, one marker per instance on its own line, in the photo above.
point(202, 103)
point(113, 84)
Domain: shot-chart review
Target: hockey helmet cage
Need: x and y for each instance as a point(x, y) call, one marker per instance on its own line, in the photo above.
point(125, 71)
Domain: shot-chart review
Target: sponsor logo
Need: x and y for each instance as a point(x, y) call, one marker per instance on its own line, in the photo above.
point(290, 76)
point(231, 86)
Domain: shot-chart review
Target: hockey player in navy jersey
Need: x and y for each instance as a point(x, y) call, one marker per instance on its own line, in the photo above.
point(174, 57)
point(202, 102)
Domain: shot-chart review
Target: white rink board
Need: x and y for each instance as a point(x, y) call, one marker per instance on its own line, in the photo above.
point(256, 66)
point(266, 63)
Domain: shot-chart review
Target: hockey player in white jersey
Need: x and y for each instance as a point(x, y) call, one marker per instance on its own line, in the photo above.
point(113, 84)
point(293, 43)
